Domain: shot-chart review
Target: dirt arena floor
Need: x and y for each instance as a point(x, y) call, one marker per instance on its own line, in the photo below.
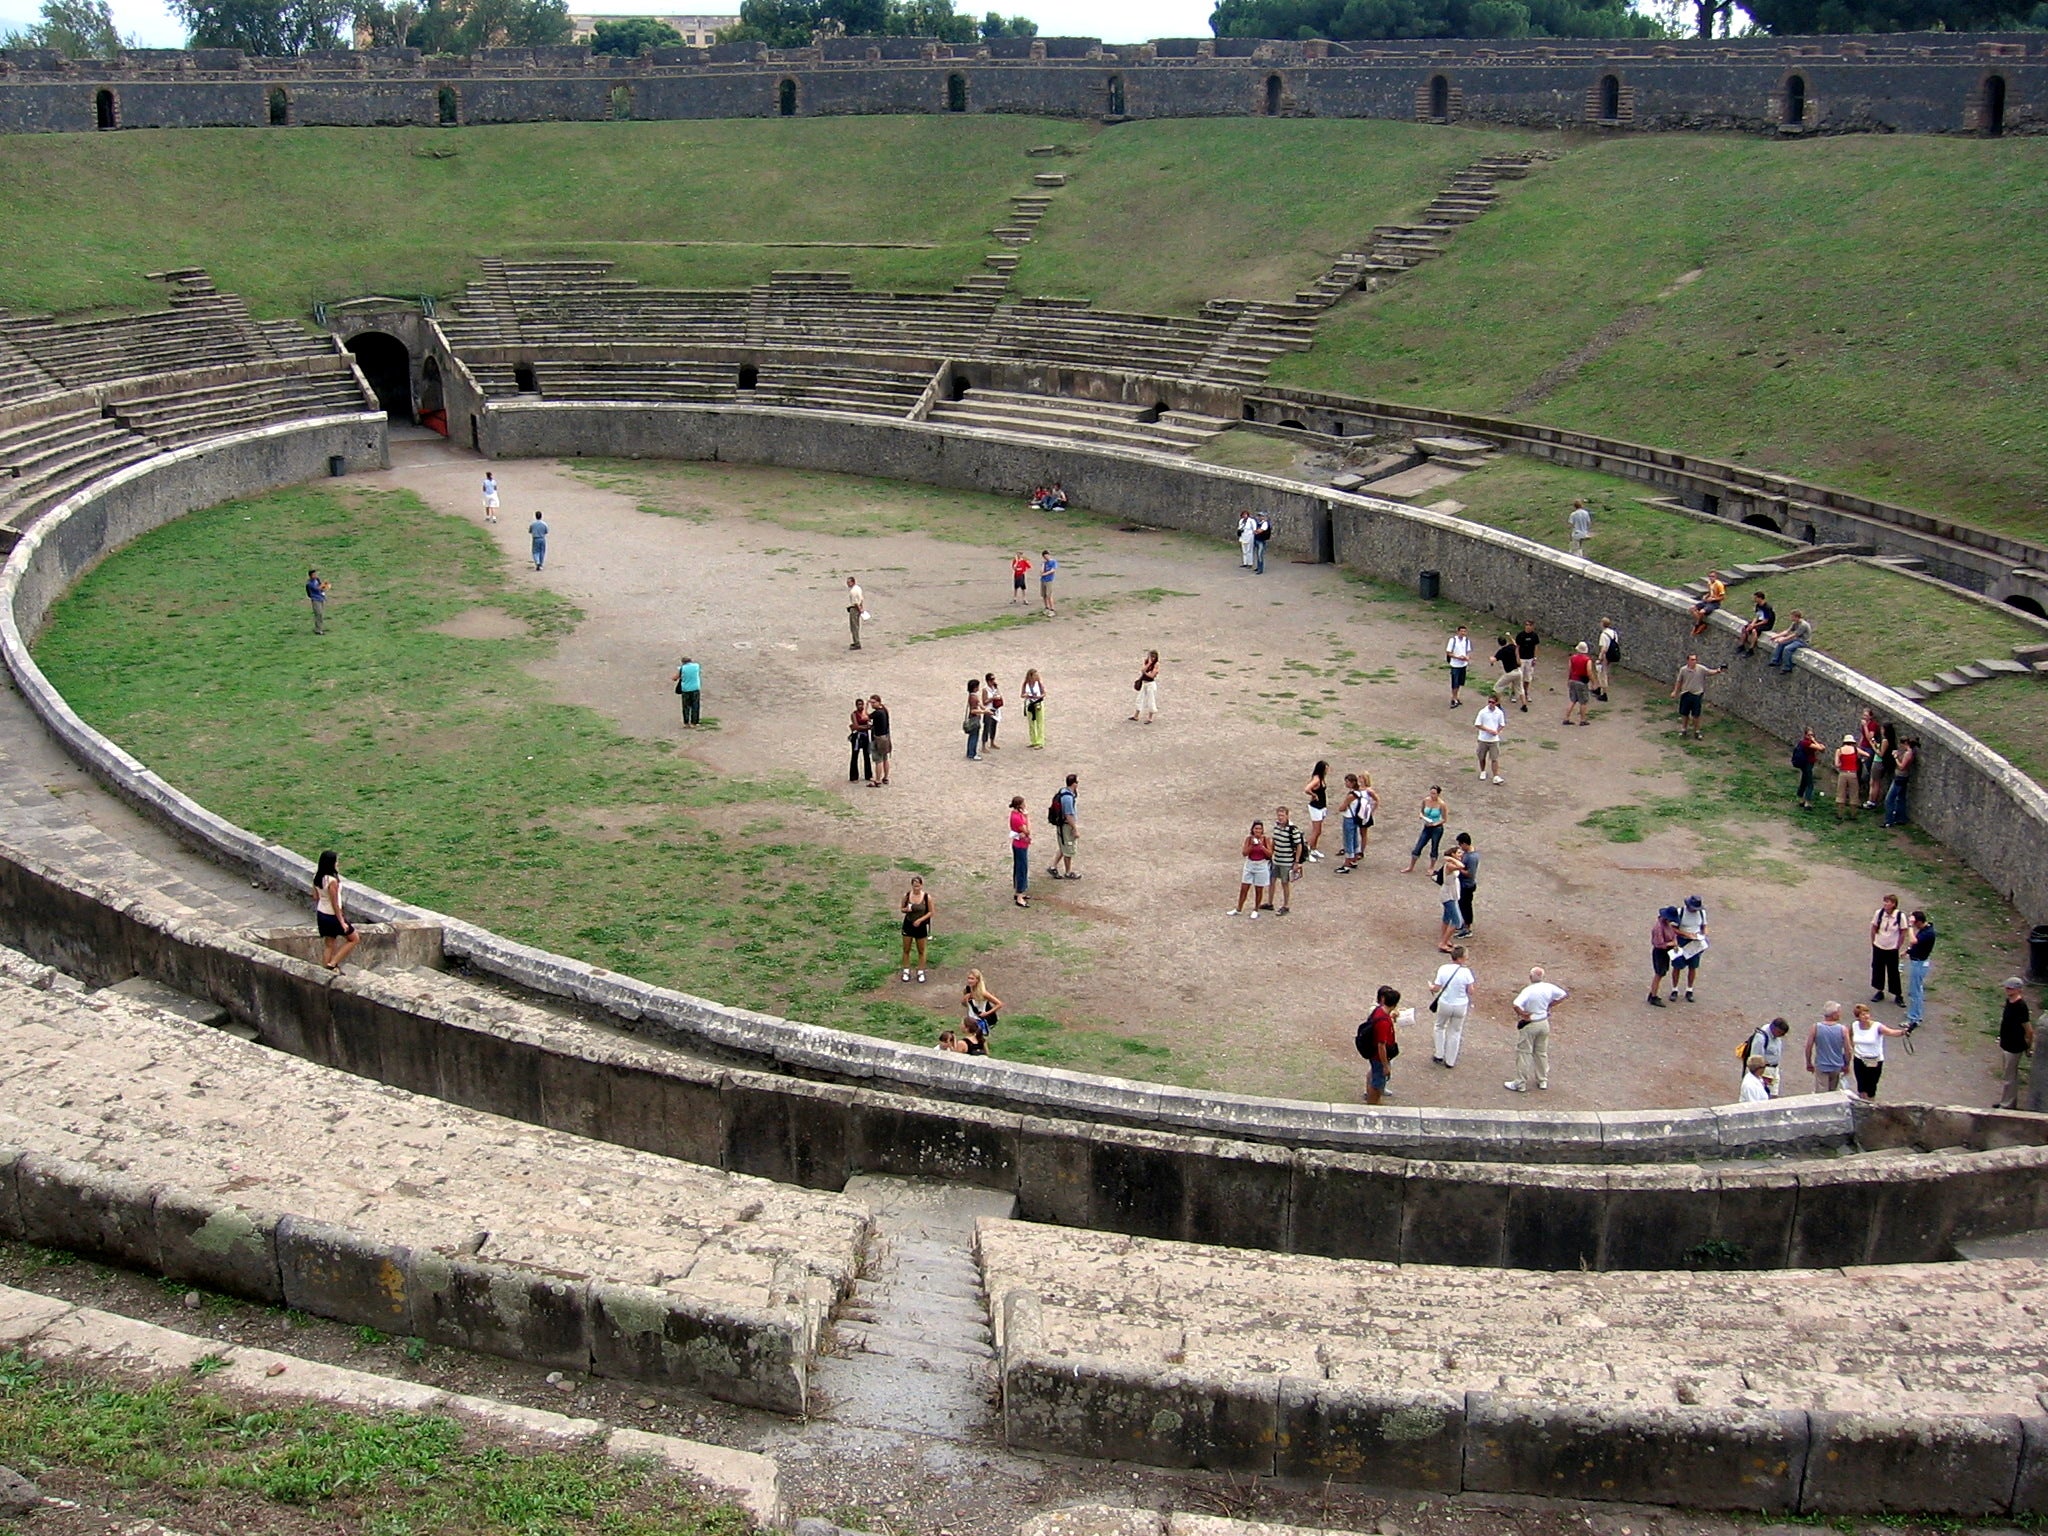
point(1262, 675)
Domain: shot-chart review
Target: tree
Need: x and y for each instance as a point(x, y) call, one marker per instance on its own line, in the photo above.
point(1796, 17)
point(1349, 20)
point(267, 28)
point(994, 26)
point(633, 36)
point(463, 26)
point(778, 23)
point(795, 23)
point(78, 29)
point(385, 25)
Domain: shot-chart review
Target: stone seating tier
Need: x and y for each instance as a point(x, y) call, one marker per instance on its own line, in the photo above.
point(43, 461)
point(1088, 421)
point(186, 416)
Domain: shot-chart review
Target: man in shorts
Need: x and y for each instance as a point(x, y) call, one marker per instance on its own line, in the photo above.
point(1710, 603)
point(1578, 683)
point(491, 498)
point(1047, 569)
point(1020, 573)
point(1489, 723)
point(1690, 689)
point(1289, 854)
point(1069, 831)
point(1606, 652)
point(1458, 657)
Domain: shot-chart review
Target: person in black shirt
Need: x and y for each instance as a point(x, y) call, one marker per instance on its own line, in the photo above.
point(1526, 641)
point(1762, 621)
point(1920, 937)
point(2015, 1039)
point(1509, 660)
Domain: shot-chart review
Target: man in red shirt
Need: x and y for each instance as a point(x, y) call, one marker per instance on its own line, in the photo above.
point(1848, 793)
point(1376, 1044)
point(1020, 572)
point(1578, 683)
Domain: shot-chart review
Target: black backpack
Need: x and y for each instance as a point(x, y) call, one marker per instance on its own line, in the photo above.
point(1614, 650)
point(1362, 1042)
point(1055, 814)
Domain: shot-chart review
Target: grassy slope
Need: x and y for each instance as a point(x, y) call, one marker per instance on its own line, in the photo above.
point(327, 213)
point(2009, 715)
point(1862, 318)
point(1889, 626)
point(1163, 216)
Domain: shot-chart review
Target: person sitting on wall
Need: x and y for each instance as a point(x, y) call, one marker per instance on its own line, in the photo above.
point(1710, 603)
point(1762, 621)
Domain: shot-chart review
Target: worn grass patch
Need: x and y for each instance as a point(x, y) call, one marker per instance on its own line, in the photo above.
point(1887, 625)
point(1798, 348)
point(399, 1475)
point(1250, 450)
point(1533, 499)
point(444, 773)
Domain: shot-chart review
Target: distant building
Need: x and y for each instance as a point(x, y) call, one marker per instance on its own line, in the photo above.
point(698, 31)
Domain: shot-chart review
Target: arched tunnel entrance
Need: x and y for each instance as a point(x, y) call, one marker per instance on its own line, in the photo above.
point(388, 367)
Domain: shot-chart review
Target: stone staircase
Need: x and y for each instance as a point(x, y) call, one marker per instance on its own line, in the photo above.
point(1258, 332)
point(1083, 421)
point(1398, 248)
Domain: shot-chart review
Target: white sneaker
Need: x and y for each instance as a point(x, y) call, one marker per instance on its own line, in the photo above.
point(1516, 1087)
point(920, 975)
point(1543, 1085)
point(905, 976)
point(1255, 914)
point(1498, 779)
point(1233, 912)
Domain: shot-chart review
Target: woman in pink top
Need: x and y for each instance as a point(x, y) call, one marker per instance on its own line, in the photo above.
point(1020, 851)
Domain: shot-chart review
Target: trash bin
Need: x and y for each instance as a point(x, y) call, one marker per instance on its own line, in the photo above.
point(2037, 952)
point(1431, 584)
point(337, 466)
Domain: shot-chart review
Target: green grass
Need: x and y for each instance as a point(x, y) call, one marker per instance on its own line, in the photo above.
point(1163, 216)
point(2009, 715)
point(326, 213)
point(1529, 497)
point(1889, 626)
point(1861, 318)
point(446, 775)
point(397, 1475)
point(1250, 450)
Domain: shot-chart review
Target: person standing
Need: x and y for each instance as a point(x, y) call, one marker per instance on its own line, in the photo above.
point(860, 743)
point(490, 497)
point(1806, 754)
point(991, 711)
point(1866, 1045)
point(1451, 1002)
point(917, 910)
point(970, 722)
point(1578, 682)
point(1532, 1031)
point(1048, 568)
point(1509, 660)
point(537, 531)
point(1020, 852)
point(1262, 535)
point(884, 743)
point(690, 684)
point(1581, 525)
point(1689, 687)
point(1787, 643)
point(1318, 791)
point(1147, 686)
point(1526, 642)
point(1350, 811)
point(1247, 539)
point(1069, 828)
point(1887, 938)
point(338, 936)
point(1847, 792)
point(1490, 722)
point(1020, 576)
point(1447, 875)
point(1692, 943)
point(1920, 939)
point(1468, 882)
point(1458, 657)
point(316, 594)
point(856, 606)
point(1257, 872)
point(1376, 1044)
point(1606, 656)
point(1034, 708)
point(1827, 1050)
point(1663, 940)
point(1767, 1046)
point(1904, 756)
point(1434, 812)
point(2015, 1040)
point(1289, 848)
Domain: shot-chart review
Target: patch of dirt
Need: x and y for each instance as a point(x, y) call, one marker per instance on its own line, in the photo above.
point(484, 623)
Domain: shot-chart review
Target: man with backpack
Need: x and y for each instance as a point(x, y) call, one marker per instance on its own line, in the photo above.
point(1606, 656)
point(1062, 817)
point(1767, 1043)
point(1376, 1043)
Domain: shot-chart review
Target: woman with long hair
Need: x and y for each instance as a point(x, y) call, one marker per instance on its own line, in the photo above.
point(1020, 852)
point(1350, 813)
point(980, 1010)
point(1318, 791)
point(1034, 707)
point(860, 741)
point(1147, 685)
point(338, 936)
point(1257, 874)
point(1434, 814)
point(916, 908)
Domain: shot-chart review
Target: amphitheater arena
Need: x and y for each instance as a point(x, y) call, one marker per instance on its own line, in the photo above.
point(1453, 1302)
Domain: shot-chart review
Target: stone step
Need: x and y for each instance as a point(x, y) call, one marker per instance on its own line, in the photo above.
point(1975, 671)
point(1926, 687)
point(1049, 179)
point(1953, 679)
point(2004, 666)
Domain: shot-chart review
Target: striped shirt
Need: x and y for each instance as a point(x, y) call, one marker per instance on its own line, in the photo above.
point(1288, 846)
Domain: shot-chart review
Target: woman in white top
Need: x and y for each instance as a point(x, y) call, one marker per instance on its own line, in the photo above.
point(1247, 540)
point(1452, 1000)
point(1866, 1047)
point(1034, 707)
point(338, 936)
point(490, 497)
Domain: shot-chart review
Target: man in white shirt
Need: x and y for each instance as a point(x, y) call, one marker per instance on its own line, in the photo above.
point(1582, 526)
point(1754, 1089)
point(1489, 723)
point(1767, 1045)
point(1532, 1031)
point(1453, 1000)
point(856, 600)
point(1604, 650)
point(1458, 657)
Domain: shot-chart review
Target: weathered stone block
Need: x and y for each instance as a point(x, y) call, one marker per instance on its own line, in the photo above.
point(1877, 1463)
point(209, 1241)
point(1656, 1216)
point(1238, 1196)
point(956, 1141)
point(1704, 1458)
point(756, 1359)
point(1055, 1173)
point(499, 1310)
point(100, 1212)
point(1753, 1212)
point(1837, 1214)
point(1454, 1213)
point(353, 1278)
point(1357, 1434)
point(1162, 1418)
point(1555, 1217)
point(10, 1200)
point(1348, 1206)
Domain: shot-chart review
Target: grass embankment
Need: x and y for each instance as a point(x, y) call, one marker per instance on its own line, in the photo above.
point(2009, 715)
point(1889, 626)
point(447, 775)
point(303, 1469)
point(325, 213)
point(1861, 314)
point(1163, 216)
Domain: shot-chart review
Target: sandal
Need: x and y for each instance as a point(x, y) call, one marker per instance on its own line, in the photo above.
point(1022, 901)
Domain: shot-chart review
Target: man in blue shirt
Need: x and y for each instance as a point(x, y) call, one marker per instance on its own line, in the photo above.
point(690, 684)
point(1047, 569)
point(316, 594)
point(538, 530)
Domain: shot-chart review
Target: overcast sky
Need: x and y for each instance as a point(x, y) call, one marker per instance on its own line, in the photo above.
point(151, 25)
